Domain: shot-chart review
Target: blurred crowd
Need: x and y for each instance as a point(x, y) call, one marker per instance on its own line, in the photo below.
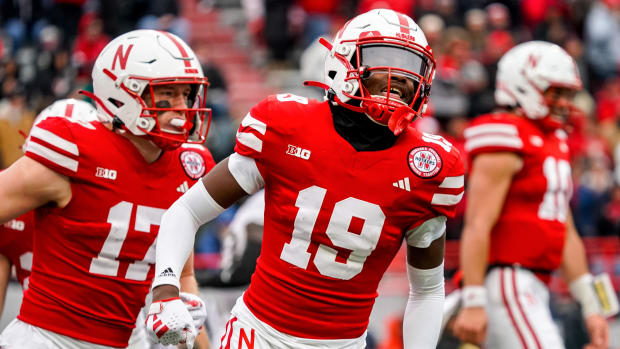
point(47, 48)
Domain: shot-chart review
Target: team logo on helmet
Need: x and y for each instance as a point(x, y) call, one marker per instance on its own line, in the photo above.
point(425, 162)
point(193, 164)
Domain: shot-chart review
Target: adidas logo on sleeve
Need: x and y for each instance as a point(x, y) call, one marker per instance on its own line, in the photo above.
point(167, 273)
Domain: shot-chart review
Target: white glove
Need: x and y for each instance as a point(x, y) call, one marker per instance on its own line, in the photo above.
point(169, 322)
point(196, 307)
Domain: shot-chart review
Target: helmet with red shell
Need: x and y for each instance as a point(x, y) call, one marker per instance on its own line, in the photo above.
point(380, 40)
point(127, 70)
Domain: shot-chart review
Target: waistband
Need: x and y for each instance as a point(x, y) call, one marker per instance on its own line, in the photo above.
point(543, 274)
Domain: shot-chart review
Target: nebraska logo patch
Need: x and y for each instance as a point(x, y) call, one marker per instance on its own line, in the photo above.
point(424, 162)
point(193, 164)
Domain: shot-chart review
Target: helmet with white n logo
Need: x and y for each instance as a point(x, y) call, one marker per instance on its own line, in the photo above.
point(527, 70)
point(382, 41)
point(126, 72)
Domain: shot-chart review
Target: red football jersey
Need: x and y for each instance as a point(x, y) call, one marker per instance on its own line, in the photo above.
point(335, 217)
point(531, 227)
point(16, 245)
point(94, 258)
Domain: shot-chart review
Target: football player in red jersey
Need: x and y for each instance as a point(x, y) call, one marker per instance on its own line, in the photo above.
point(16, 234)
point(346, 181)
point(100, 189)
point(518, 226)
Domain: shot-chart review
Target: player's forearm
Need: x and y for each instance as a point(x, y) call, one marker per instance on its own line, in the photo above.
point(474, 254)
point(574, 263)
point(423, 314)
point(178, 227)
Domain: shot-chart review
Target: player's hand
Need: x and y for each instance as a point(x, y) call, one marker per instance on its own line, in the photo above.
point(470, 325)
point(598, 329)
point(196, 307)
point(169, 322)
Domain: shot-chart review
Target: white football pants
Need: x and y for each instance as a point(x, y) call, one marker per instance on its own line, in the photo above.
point(518, 311)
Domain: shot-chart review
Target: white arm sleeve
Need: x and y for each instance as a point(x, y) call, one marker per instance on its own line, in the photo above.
point(424, 311)
point(179, 224)
point(246, 173)
point(427, 232)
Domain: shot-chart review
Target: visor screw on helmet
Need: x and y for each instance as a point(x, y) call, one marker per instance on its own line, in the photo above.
point(343, 50)
point(134, 86)
point(348, 87)
point(143, 123)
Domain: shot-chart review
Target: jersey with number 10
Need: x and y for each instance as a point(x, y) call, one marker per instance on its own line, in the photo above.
point(94, 258)
point(335, 217)
point(531, 227)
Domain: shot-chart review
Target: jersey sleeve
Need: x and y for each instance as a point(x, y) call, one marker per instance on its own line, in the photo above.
point(251, 132)
point(52, 143)
point(492, 135)
point(447, 193)
point(451, 188)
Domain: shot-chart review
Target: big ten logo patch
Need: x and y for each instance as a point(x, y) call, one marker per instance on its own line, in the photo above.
point(298, 152)
point(15, 225)
point(105, 173)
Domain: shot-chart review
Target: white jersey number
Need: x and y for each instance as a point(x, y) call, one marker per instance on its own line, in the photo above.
point(119, 217)
point(309, 202)
point(555, 202)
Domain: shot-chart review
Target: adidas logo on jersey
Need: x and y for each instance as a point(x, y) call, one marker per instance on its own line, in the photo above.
point(183, 187)
point(105, 173)
point(403, 184)
point(298, 152)
point(167, 272)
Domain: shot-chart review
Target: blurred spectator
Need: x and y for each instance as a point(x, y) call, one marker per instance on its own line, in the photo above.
point(447, 9)
point(432, 25)
point(497, 43)
point(592, 192)
point(15, 121)
point(574, 47)
point(449, 100)
point(277, 31)
point(318, 19)
point(55, 74)
point(476, 24)
point(23, 20)
point(66, 15)
point(499, 16)
point(222, 133)
point(164, 15)
point(602, 34)
point(404, 6)
point(119, 16)
point(554, 28)
point(88, 44)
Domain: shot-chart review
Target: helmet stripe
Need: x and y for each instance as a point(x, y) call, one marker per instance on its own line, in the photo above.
point(404, 24)
point(69, 110)
point(180, 47)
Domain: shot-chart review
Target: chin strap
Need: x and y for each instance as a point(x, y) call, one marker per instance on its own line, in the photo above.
point(397, 121)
